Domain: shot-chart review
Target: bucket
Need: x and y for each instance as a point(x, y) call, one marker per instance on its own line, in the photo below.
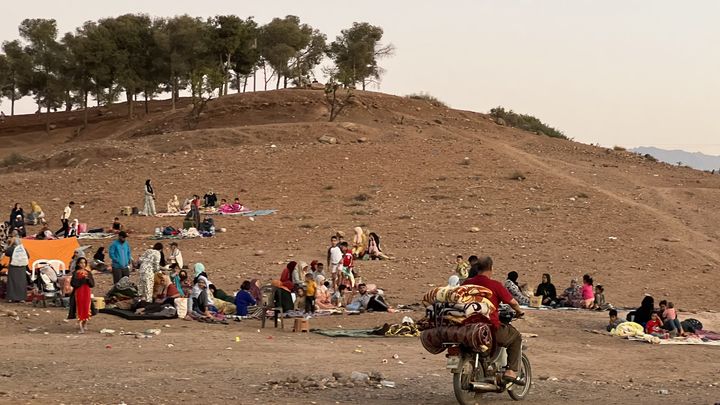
point(536, 301)
point(99, 302)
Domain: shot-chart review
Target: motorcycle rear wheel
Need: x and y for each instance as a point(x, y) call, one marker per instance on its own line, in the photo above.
point(461, 381)
point(519, 392)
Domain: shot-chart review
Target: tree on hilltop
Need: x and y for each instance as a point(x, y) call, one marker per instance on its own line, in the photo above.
point(356, 52)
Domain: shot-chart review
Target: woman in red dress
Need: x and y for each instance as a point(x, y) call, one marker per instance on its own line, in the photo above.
point(82, 281)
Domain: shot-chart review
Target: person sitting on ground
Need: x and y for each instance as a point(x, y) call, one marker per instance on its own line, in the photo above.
point(461, 267)
point(643, 314)
point(317, 268)
point(186, 283)
point(298, 274)
point(374, 249)
point(547, 289)
point(243, 299)
point(472, 260)
point(116, 226)
point(368, 302)
point(256, 291)
point(210, 199)
point(237, 207)
point(670, 320)
point(225, 207)
point(572, 295)
point(600, 304)
point(73, 230)
point(323, 298)
point(175, 255)
point(200, 305)
point(512, 285)
point(168, 291)
point(16, 210)
point(588, 293)
point(654, 326)
point(310, 291)
point(614, 320)
point(360, 243)
point(175, 278)
point(338, 297)
point(173, 206)
point(505, 334)
point(18, 225)
point(98, 262)
point(45, 233)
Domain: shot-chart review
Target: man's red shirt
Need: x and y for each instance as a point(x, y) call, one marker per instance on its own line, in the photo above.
point(500, 294)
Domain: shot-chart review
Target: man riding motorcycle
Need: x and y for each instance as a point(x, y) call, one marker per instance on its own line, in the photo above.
point(505, 334)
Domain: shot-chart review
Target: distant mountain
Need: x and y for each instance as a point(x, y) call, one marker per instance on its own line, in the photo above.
point(695, 160)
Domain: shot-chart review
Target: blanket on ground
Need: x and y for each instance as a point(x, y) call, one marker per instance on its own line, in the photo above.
point(132, 316)
point(395, 330)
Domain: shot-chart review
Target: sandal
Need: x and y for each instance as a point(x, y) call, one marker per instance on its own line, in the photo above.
point(513, 380)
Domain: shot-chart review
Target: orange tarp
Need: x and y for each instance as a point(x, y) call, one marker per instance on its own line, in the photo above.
point(60, 249)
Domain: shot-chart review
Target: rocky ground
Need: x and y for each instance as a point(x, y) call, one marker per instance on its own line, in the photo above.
point(433, 182)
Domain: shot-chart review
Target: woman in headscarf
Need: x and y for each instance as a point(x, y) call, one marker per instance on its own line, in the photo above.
point(512, 285)
point(73, 232)
point(82, 282)
point(374, 247)
point(286, 276)
point(644, 313)
point(282, 297)
point(37, 213)
point(17, 276)
point(201, 277)
point(572, 295)
point(149, 265)
point(323, 298)
point(360, 242)
point(18, 225)
point(17, 210)
point(298, 274)
point(149, 209)
point(173, 206)
point(255, 291)
point(547, 289)
point(168, 291)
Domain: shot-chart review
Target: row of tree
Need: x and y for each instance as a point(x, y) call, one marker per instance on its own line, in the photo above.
point(136, 55)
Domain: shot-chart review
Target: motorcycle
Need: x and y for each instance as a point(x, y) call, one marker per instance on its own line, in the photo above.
point(476, 373)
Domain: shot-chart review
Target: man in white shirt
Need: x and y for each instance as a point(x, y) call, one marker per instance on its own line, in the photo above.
point(65, 219)
point(335, 256)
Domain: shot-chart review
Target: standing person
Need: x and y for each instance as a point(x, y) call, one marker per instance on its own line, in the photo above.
point(175, 255)
point(311, 289)
point(505, 334)
point(17, 210)
point(149, 209)
point(65, 219)
point(120, 256)
point(347, 266)
point(194, 213)
point(149, 265)
point(82, 282)
point(17, 279)
point(334, 260)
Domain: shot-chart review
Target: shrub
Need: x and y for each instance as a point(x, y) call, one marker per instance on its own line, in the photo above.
point(427, 97)
point(525, 122)
point(13, 159)
point(361, 197)
point(619, 148)
point(650, 157)
point(516, 175)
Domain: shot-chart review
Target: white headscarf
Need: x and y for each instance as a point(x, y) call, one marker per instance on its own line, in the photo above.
point(454, 281)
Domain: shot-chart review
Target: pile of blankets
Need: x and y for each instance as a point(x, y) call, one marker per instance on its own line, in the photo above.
point(457, 315)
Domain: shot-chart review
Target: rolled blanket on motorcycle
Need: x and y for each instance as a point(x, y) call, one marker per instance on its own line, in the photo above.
point(475, 336)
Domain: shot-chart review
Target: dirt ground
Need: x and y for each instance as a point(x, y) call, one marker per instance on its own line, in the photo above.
point(400, 169)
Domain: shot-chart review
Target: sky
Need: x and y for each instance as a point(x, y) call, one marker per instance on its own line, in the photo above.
point(627, 72)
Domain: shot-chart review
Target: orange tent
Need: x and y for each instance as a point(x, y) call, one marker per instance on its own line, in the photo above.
point(60, 249)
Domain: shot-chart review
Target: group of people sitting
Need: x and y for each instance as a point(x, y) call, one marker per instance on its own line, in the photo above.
point(662, 322)
point(586, 295)
point(208, 202)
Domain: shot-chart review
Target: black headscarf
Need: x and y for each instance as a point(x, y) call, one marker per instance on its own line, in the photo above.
point(513, 276)
point(375, 236)
point(148, 187)
point(547, 289)
point(644, 313)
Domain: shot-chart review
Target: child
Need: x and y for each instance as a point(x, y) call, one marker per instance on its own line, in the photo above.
point(461, 267)
point(243, 299)
point(614, 320)
point(310, 287)
point(654, 326)
point(300, 299)
point(600, 304)
point(671, 322)
point(347, 264)
point(82, 282)
point(338, 297)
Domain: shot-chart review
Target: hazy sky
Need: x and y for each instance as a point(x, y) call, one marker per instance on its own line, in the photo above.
point(615, 72)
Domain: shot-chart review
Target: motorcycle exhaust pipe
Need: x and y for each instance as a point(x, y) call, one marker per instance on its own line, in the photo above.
point(484, 387)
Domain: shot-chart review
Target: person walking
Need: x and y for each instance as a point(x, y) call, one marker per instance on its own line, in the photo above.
point(17, 279)
point(65, 219)
point(120, 255)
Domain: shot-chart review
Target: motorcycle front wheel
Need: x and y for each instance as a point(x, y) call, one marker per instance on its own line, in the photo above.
point(519, 392)
point(461, 382)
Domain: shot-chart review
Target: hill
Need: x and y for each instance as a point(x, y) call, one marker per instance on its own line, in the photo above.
point(419, 175)
point(696, 160)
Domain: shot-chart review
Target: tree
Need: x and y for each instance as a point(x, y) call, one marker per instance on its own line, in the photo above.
point(335, 102)
point(356, 52)
point(44, 53)
point(19, 67)
point(232, 39)
point(288, 46)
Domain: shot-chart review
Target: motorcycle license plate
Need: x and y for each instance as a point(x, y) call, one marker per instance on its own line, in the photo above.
point(453, 362)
